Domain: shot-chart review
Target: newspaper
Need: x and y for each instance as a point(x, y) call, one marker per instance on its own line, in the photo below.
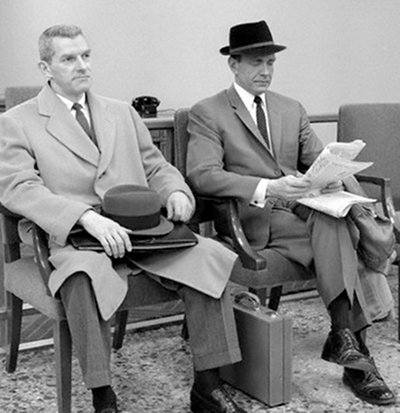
point(335, 163)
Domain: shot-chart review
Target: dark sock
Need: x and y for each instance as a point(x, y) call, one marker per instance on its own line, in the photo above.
point(339, 311)
point(361, 337)
point(206, 380)
point(103, 397)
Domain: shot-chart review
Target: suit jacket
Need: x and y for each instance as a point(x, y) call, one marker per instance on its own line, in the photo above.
point(227, 154)
point(51, 173)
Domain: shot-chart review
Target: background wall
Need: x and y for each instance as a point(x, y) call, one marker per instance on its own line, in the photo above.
point(337, 50)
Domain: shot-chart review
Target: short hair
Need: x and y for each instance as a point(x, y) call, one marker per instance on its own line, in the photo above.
point(236, 57)
point(46, 50)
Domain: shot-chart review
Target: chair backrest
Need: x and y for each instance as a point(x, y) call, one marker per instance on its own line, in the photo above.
point(181, 138)
point(378, 125)
point(14, 95)
point(204, 207)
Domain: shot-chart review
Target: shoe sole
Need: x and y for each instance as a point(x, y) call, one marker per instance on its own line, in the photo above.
point(360, 365)
point(360, 395)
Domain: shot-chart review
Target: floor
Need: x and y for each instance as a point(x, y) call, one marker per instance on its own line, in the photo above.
point(153, 372)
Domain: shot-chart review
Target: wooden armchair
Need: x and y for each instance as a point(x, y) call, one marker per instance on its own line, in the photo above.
point(378, 125)
point(24, 283)
point(26, 279)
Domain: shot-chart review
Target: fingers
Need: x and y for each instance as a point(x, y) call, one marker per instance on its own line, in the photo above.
point(289, 187)
point(179, 212)
point(179, 208)
point(112, 236)
point(333, 187)
point(116, 243)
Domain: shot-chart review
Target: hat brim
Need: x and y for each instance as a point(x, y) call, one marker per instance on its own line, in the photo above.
point(270, 48)
point(163, 228)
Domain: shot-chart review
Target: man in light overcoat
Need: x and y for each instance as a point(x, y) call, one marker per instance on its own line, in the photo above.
point(54, 171)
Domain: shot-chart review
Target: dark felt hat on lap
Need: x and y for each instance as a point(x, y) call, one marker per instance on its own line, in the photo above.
point(137, 208)
point(247, 36)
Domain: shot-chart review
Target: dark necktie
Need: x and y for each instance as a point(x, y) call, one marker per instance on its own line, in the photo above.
point(261, 121)
point(81, 118)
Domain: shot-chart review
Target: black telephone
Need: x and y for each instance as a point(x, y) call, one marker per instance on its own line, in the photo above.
point(146, 106)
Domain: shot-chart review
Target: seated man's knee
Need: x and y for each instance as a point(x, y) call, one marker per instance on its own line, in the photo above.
point(78, 282)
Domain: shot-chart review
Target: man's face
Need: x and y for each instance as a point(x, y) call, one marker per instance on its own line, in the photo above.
point(253, 71)
point(69, 70)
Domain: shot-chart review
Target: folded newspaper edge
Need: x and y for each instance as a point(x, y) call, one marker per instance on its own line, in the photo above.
point(336, 204)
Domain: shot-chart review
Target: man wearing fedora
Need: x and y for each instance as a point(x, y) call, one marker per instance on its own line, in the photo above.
point(62, 154)
point(253, 144)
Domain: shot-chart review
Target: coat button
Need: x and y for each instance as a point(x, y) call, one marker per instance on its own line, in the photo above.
point(277, 172)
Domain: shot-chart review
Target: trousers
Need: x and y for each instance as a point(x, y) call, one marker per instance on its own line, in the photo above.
point(325, 244)
point(210, 322)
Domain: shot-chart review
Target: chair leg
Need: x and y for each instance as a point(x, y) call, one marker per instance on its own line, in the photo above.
point(121, 319)
point(14, 318)
point(275, 297)
point(63, 358)
point(398, 302)
point(184, 330)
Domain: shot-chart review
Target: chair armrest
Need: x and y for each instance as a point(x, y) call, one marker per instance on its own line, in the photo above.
point(385, 193)
point(205, 211)
point(41, 249)
point(248, 256)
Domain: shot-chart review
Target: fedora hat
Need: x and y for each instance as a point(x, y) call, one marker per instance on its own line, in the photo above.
point(137, 208)
point(247, 36)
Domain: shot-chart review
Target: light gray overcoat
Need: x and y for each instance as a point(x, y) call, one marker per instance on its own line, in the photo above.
point(51, 173)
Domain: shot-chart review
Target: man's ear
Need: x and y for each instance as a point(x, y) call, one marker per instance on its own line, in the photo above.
point(45, 69)
point(233, 64)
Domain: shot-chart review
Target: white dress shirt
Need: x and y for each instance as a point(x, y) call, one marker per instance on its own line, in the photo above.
point(69, 103)
point(259, 195)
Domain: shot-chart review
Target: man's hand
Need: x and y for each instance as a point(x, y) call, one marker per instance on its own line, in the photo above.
point(333, 187)
point(179, 207)
point(289, 187)
point(112, 236)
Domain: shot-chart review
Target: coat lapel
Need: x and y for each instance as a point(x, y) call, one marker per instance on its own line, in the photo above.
point(275, 125)
point(244, 115)
point(63, 127)
point(104, 128)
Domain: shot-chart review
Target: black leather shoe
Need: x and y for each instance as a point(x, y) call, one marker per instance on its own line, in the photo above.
point(341, 347)
point(218, 401)
point(104, 400)
point(368, 386)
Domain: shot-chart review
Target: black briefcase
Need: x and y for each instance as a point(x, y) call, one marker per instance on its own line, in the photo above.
point(265, 339)
point(180, 237)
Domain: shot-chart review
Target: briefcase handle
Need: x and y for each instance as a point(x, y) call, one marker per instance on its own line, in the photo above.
point(247, 300)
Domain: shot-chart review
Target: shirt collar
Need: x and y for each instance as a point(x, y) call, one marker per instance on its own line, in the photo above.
point(69, 103)
point(247, 97)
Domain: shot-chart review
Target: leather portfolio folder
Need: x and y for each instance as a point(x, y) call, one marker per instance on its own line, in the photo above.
point(180, 237)
point(265, 339)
